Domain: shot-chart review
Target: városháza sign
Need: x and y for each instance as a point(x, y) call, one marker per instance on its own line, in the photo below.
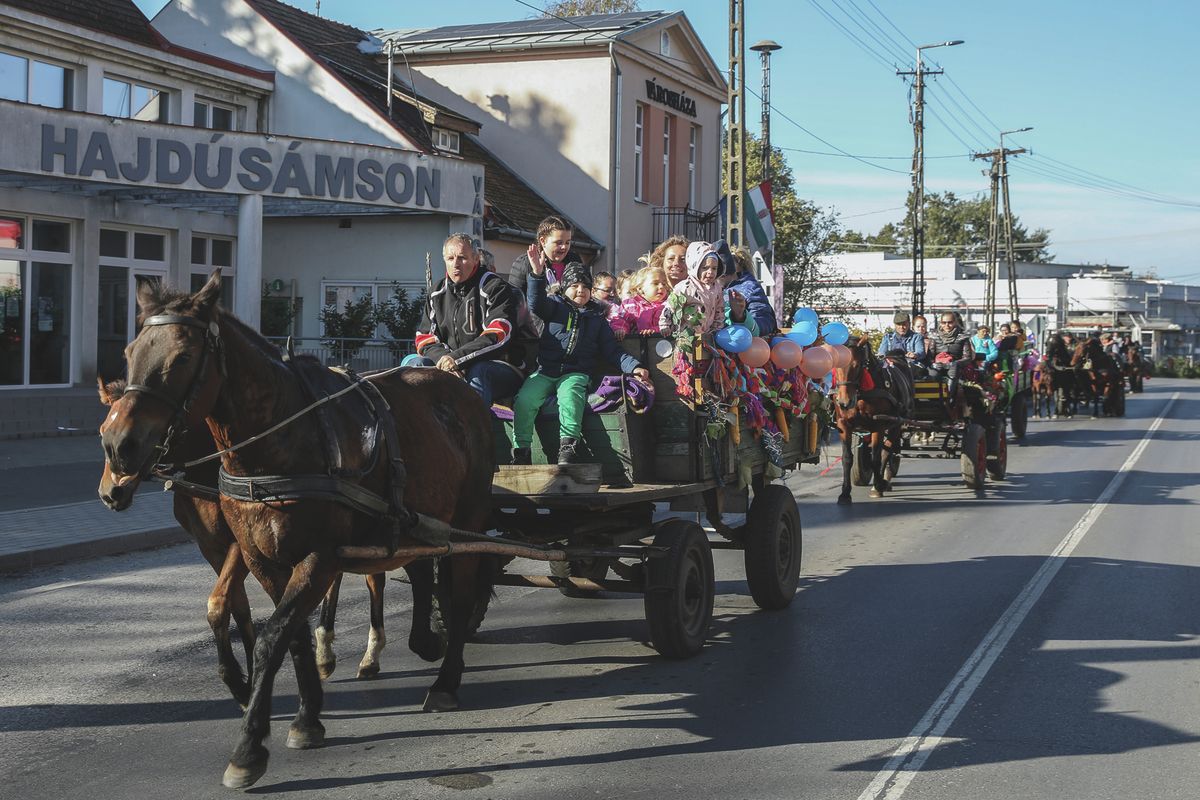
point(670, 98)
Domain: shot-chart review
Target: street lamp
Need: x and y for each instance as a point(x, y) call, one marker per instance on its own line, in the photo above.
point(918, 291)
point(765, 48)
point(1006, 133)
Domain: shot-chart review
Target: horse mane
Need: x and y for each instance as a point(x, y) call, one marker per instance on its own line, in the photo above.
point(160, 298)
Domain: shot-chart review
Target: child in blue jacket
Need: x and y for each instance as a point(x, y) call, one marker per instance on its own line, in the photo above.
point(576, 334)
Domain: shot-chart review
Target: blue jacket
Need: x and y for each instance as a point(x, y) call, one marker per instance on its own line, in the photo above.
point(986, 346)
point(574, 338)
point(757, 304)
point(912, 342)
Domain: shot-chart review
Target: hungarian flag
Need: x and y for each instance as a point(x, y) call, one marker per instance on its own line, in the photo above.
point(760, 224)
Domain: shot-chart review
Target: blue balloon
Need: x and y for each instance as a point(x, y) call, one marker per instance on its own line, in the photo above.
point(803, 333)
point(805, 315)
point(835, 333)
point(734, 338)
point(412, 360)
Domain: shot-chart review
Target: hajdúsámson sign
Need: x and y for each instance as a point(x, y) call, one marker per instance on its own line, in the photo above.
point(130, 152)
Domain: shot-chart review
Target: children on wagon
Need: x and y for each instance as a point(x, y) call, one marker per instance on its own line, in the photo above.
point(641, 312)
point(574, 336)
point(625, 289)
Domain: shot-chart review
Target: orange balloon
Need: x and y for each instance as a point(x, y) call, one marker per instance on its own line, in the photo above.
point(786, 354)
point(757, 354)
point(817, 362)
point(842, 356)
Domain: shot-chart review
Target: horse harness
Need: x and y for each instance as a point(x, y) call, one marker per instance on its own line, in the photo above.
point(881, 380)
point(336, 485)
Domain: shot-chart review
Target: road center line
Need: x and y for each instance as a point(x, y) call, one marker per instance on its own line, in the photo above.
point(915, 750)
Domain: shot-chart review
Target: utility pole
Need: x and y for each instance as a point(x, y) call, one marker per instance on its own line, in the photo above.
point(765, 48)
point(999, 194)
point(735, 140)
point(918, 175)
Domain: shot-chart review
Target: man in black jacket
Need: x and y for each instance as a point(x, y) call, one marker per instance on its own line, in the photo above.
point(470, 324)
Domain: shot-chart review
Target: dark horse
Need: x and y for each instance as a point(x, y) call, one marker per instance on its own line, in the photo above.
point(191, 360)
point(1101, 376)
point(197, 509)
point(872, 398)
point(1062, 375)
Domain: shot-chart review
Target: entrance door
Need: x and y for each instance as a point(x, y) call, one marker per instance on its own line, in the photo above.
point(117, 318)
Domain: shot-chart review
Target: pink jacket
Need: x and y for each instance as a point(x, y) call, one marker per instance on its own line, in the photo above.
point(635, 315)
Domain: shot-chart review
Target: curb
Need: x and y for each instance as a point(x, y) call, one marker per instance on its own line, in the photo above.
point(81, 551)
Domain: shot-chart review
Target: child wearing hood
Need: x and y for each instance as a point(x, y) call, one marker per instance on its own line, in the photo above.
point(697, 305)
point(575, 335)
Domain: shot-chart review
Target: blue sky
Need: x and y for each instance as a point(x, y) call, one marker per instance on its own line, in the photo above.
point(1109, 87)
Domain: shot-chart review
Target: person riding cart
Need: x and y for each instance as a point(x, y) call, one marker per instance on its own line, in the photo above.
point(904, 339)
point(951, 348)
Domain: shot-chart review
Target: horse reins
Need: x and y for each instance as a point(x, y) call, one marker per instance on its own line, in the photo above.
point(212, 345)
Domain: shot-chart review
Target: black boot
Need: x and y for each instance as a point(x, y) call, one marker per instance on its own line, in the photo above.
point(522, 456)
point(566, 450)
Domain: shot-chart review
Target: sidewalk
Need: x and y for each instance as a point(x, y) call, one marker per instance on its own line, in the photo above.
point(45, 533)
point(73, 531)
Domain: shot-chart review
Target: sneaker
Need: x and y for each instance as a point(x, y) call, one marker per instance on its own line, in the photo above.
point(522, 456)
point(566, 450)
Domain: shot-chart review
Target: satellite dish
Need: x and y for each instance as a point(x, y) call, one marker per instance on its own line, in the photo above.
point(371, 46)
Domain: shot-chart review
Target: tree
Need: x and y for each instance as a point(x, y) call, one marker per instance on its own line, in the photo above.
point(955, 226)
point(804, 235)
point(346, 329)
point(583, 8)
point(400, 316)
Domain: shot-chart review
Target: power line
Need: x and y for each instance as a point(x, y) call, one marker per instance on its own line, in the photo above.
point(849, 33)
point(887, 47)
point(874, 158)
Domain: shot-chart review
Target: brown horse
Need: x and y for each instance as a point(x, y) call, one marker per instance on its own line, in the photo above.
point(1101, 376)
point(870, 402)
point(190, 361)
point(1043, 388)
point(197, 509)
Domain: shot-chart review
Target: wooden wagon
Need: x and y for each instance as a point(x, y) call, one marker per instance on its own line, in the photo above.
point(599, 519)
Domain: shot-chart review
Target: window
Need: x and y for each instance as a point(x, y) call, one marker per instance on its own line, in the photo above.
point(664, 44)
point(211, 115)
point(692, 166)
point(35, 302)
point(446, 140)
point(134, 101)
point(639, 129)
point(125, 256)
point(207, 253)
point(36, 82)
point(666, 184)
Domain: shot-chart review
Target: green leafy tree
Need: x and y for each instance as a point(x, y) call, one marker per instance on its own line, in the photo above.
point(805, 235)
point(277, 313)
point(400, 316)
point(954, 226)
point(345, 329)
point(583, 8)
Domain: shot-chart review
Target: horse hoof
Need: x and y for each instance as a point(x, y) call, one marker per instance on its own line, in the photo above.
point(367, 671)
point(427, 646)
point(844, 500)
point(304, 738)
point(325, 669)
point(236, 777)
point(874, 493)
point(440, 701)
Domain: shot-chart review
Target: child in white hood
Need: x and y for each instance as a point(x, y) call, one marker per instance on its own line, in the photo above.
point(696, 305)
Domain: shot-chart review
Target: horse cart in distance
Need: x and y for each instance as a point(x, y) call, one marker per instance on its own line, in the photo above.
point(597, 521)
point(963, 419)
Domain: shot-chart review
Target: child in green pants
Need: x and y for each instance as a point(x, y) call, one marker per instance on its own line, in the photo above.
point(575, 336)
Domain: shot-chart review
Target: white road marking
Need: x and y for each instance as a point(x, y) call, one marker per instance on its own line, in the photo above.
point(915, 750)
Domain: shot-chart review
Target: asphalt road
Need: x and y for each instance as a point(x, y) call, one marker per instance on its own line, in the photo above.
point(1039, 640)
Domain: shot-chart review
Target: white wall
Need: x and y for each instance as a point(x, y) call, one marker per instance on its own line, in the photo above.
point(372, 249)
point(307, 101)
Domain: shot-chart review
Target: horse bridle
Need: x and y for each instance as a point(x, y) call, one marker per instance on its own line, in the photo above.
point(183, 408)
point(863, 366)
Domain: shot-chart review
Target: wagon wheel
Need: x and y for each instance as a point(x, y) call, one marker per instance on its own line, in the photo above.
point(595, 569)
point(974, 456)
point(861, 472)
point(441, 599)
point(997, 452)
point(773, 547)
point(1019, 415)
point(680, 589)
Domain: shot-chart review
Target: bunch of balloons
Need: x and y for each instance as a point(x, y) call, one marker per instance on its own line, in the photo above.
point(733, 338)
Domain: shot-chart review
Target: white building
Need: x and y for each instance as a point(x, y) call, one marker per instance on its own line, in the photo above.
point(1164, 316)
point(615, 118)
